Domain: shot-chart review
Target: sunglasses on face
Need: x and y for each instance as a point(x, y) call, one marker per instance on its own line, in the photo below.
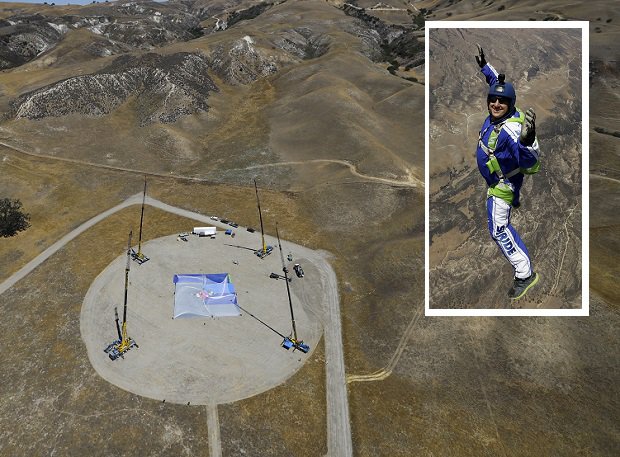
point(495, 98)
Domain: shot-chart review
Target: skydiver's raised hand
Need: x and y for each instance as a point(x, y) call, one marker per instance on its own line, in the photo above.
point(528, 130)
point(480, 57)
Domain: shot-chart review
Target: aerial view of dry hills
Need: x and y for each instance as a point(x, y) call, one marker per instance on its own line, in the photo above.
point(322, 103)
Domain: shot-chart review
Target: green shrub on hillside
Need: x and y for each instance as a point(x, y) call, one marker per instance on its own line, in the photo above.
point(12, 218)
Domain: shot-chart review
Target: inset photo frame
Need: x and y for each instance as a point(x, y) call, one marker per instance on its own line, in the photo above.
point(506, 168)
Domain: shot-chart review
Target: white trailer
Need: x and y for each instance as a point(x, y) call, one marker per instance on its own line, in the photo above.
point(204, 231)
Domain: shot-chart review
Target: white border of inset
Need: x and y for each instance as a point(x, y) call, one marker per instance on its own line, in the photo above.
point(585, 202)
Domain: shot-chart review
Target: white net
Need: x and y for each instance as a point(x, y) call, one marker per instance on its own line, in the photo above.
point(204, 295)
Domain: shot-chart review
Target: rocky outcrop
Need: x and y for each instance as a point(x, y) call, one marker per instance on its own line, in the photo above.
point(247, 13)
point(241, 62)
point(23, 38)
point(126, 26)
point(386, 42)
point(228, 12)
point(146, 27)
point(165, 88)
point(304, 43)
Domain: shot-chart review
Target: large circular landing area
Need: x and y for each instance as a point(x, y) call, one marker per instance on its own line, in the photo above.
point(204, 360)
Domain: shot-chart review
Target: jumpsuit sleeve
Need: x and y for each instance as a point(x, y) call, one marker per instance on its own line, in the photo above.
point(526, 156)
point(489, 73)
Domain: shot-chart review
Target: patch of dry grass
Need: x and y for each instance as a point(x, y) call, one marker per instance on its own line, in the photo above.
point(58, 197)
point(287, 420)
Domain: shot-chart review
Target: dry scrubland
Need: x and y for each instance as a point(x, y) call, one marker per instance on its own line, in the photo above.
point(513, 387)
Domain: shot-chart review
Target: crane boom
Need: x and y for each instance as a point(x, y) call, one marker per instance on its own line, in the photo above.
point(260, 216)
point(118, 327)
point(139, 256)
point(141, 219)
point(288, 289)
point(127, 268)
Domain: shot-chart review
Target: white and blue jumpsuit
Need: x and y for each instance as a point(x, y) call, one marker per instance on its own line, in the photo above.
point(499, 139)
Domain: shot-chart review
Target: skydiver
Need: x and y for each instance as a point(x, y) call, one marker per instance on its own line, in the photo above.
point(507, 150)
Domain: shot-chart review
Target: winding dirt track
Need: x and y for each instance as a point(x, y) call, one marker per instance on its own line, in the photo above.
point(380, 375)
point(339, 440)
point(411, 180)
point(604, 177)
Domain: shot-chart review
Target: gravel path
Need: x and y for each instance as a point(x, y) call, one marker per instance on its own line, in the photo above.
point(38, 260)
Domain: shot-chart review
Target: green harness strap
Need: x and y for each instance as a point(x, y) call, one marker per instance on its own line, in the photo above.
point(502, 189)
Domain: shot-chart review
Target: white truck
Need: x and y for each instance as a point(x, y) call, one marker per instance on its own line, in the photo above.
point(204, 231)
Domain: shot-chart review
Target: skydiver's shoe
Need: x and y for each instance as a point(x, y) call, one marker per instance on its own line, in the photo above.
point(521, 286)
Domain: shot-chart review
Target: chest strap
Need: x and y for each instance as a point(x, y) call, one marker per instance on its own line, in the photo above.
point(492, 164)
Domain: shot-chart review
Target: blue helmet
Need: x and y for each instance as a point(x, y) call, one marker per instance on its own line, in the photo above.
point(505, 90)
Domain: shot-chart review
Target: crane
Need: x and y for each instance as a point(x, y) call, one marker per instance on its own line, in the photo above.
point(291, 341)
point(124, 343)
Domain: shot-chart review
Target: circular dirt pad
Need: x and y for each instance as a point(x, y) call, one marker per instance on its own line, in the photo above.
point(204, 360)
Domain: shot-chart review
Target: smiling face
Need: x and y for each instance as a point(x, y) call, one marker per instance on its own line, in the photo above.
point(498, 107)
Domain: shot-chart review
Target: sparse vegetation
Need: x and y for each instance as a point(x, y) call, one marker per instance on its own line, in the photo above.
point(393, 67)
point(12, 218)
point(197, 31)
point(248, 13)
point(419, 21)
point(605, 131)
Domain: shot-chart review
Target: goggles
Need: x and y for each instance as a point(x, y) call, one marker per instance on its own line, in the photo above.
point(497, 98)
